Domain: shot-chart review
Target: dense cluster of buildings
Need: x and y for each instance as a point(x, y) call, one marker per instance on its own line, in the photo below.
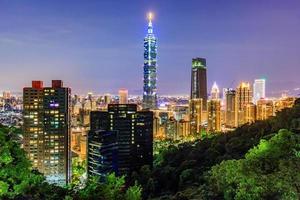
point(10, 109)
point(115, 133)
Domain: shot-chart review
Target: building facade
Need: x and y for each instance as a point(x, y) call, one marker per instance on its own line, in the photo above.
point(199, 81)
point(249, 113)
point(47, 130)
point(196, 115)
point(133, 139)
point(123, 96)
point(150, 67)
point(214, 115)
point(244, 98)
point(259, 90)
point(264, 109)
point(231, 110)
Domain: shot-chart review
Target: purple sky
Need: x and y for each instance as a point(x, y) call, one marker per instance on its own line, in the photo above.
point(98, 45)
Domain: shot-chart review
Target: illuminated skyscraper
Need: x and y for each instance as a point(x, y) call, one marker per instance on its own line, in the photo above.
point(244, 98)
point(214, 115)
point(215, 92)
point(47, 129)
point(259, 89)
point(150, 65)
point(231, 109)
point(249, 113)
point(120, 140)
point(214, 110)
point(107, 98)
point(244, 95)
point(199, 80)
point(196, 115)
point(265, 109)
point(123, 96)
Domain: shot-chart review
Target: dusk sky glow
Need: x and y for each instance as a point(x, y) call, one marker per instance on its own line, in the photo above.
point(98, 45)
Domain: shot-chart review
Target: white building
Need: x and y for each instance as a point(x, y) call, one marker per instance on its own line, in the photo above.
point(259, 89)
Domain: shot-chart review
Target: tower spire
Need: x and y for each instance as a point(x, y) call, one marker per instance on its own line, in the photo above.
point(150, 65)
point(150, 28)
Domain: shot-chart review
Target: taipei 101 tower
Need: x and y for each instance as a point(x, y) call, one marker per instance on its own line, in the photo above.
point(150, 65)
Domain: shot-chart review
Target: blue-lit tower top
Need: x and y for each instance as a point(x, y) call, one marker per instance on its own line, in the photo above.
point(150, 65)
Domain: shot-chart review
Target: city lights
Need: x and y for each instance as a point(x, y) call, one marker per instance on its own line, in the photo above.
point(226, 134)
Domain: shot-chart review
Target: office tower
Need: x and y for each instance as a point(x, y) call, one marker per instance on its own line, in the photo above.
point(249, 113)
point(143, 140)
point(196, 107)
point(231, 109)
point(133, 139)
point(183, 128)
point(6, 95)
point(107, 98)
point(199, 81)
point(156, 127)
point(224, 92)
point(214, 110)
point(215, 92)
point(265, 109)
point(102, 153)
point(171, 129)
point(259, 89)
point(123, 96)
point(244, 97)
point(214, 115)
point(150, 65)
point(47, 129)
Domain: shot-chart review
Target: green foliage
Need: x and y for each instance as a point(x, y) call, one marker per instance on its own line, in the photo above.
point(134, 192)
point(269, 171)
point(78, 170)
point(18, 181)
point(247, 163)
point(178, 161)
point(112, 189)
point(15, 173)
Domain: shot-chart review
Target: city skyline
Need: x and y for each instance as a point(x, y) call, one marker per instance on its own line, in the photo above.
point(70, 42)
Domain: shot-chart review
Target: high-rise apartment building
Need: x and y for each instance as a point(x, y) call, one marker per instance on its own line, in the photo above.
point(215, 92)
point(264, 109)
point(132, 137)
point(183, 128)
point(214, 110)
point(107, 99)
point(231, 111)
point(123, 96)
point(150, 65)
point(259, 89)
point(47, 129)
point(249, 113)
point(199, 81)
point(196, 115)
point(244, 97)
point(214, 115)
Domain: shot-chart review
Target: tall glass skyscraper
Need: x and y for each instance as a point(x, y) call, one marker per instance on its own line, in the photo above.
point(259, 89)
point(199, 80)
point(150, 65)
